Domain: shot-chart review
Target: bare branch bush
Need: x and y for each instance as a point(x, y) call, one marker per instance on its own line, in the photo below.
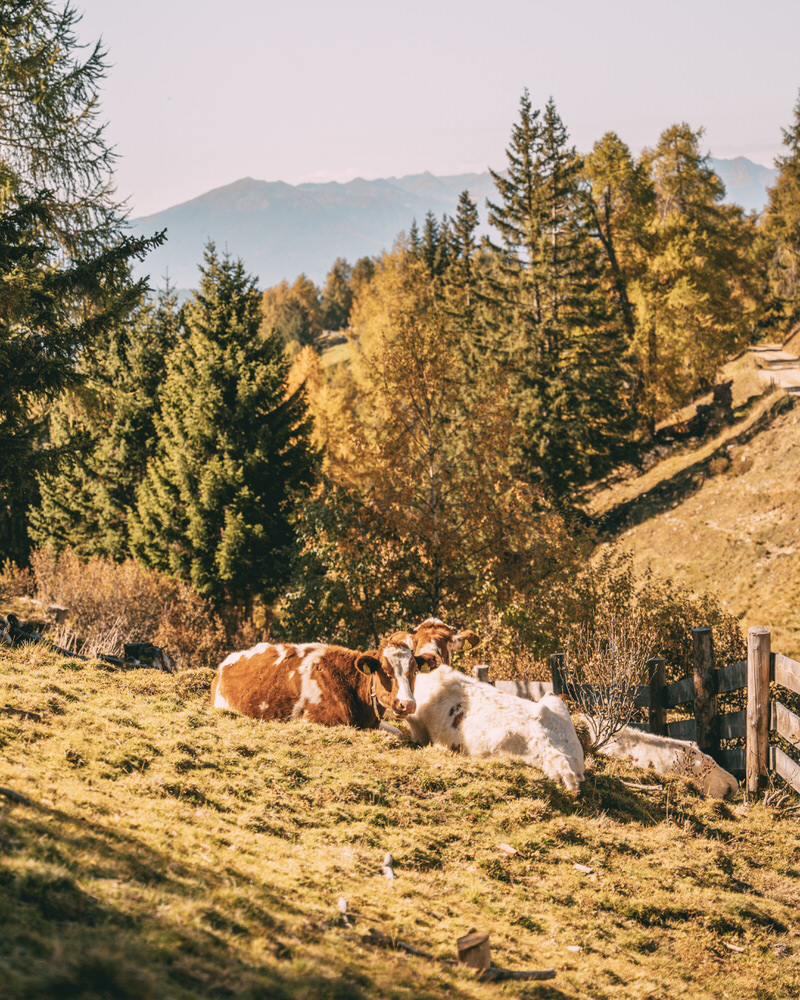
point(604, 666)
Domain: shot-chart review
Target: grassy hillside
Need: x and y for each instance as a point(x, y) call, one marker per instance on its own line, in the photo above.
point(723, 517)
point(167, 850)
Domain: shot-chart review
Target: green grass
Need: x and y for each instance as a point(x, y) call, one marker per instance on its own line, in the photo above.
point(173, 851)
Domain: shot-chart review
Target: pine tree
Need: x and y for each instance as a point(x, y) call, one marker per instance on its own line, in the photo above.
point(564, 347)
point(233, 449)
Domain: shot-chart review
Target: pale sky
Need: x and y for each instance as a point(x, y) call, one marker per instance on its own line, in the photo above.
point(203, 92)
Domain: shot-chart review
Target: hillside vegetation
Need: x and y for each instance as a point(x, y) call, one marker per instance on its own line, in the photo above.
point(722, 517)
point(169, 850)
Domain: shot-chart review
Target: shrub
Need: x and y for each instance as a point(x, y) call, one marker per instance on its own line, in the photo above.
point(520, 633)
point(115, 603)
point(604, 667)
point(15, 582)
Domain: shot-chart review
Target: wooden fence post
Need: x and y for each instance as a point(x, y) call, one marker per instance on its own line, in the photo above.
point(557, 673)
point(657, 714)
point(481, 672)
point(758, 650)
point(705, 691)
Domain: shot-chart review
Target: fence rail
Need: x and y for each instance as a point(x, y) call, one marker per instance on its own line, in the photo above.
point(698, 694)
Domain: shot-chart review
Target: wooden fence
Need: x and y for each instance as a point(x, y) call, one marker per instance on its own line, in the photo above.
point(698, 694)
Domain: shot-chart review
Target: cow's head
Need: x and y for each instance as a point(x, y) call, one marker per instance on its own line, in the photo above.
point(434, 638)
point(394, 669)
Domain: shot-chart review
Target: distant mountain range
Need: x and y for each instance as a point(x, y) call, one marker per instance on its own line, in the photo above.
point(281, 230)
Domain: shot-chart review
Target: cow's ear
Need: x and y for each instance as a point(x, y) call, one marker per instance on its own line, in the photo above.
point(427, 663)
point(469, 636)
point(368, 663)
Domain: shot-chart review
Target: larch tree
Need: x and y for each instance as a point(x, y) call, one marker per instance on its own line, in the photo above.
point(294, 312)
point(233, 454)
point(696, 301)
point(781, 232)
point(621, 200)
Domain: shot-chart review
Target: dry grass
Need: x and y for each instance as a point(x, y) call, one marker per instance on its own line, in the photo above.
point(731, 532)
point(626, 488)
point(110, 603)
point(169, 850)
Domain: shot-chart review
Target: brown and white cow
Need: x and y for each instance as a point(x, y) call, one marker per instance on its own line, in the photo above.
point(327, 684)
point(434, 638)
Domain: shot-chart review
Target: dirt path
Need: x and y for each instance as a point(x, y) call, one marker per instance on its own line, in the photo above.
point(778, 366)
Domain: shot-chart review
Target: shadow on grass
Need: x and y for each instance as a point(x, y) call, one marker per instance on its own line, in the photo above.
point(684, 483)
point(60, 941)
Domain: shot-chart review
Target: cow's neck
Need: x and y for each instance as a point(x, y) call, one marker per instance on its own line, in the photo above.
point(370, 708)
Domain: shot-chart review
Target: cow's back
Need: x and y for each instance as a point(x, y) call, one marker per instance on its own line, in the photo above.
point(313, 681)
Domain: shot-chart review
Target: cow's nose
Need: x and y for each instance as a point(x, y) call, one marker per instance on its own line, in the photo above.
point(405, 707)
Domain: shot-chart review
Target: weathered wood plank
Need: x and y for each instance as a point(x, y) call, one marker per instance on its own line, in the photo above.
point(532, 690)
point(733, 725)
point(785, 722)
point(557, 672)
point(705, 690)
point(732, 678)
point(787, 673)
point(734, 759)
point(683, 729)
point(785, 767)
point(679, 692)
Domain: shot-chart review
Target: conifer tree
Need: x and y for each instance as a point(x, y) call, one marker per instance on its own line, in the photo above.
point(564, 348)
point(337, 296)
point(781, 232)
point(109, 427)
point(696, 300)
point(621, 203)
point(464, 227)
point(64, 257)
point(294, 312)
point(233, 449)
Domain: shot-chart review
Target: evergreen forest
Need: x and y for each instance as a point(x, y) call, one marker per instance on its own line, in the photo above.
point(418, 436)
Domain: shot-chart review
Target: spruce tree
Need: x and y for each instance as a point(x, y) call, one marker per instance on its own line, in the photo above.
point(562, 342)
point(109, 428)
point(233, 450)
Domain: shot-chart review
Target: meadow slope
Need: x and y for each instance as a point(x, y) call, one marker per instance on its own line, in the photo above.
point(167, 850)
point(723, 517)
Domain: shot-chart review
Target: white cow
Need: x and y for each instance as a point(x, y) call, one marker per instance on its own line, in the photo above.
point(464, 714)
point(664, 755)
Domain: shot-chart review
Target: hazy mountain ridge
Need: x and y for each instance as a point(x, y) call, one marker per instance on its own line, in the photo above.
point(281, 230)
